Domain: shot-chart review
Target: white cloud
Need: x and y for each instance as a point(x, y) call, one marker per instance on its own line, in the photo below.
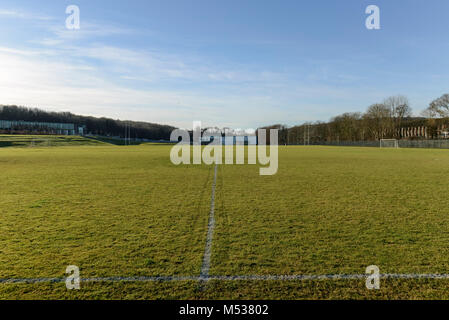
point(56, 80)
point(73, 70)
point(87, 30)
point(11, 13)
point(32, 81)
point(23, 15)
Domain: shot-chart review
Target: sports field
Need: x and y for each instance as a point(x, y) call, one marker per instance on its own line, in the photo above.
point(137, 225)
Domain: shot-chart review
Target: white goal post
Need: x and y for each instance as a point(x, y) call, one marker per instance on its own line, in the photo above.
point(389, 143)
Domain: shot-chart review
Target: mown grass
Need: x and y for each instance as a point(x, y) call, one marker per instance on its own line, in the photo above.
point(45, 141)
point(276, 290)
point(335, 210)
point(127, 211)
point(112, 211)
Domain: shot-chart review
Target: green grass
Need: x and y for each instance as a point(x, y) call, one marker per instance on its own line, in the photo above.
point(114, 141)
point(45, 141)
point(127, 211)
point(335, 210)
point(114, 211)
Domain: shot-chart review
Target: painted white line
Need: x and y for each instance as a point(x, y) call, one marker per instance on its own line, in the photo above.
point(205, 268)
point(234, 278)
point(32, 280)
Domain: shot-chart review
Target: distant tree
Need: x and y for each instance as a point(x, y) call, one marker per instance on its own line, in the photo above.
point(347, 126)
point(399, 110)
point(378, 121)
point(428, 114)
point(283, 135)
point(439, 107)
point(399, 106)
point(99, 126)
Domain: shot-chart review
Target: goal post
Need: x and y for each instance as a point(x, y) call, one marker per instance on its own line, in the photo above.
point(389, 143)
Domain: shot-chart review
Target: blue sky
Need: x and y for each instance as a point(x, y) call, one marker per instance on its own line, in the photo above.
point(232, 63)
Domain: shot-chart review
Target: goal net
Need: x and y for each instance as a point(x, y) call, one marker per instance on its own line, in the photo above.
point(389, 143)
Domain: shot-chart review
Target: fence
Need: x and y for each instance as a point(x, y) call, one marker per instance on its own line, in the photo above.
point(430, 144)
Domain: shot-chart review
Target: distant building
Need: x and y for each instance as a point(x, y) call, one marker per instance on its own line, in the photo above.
point(227, 136)
point(27, 127)
point(240, 140)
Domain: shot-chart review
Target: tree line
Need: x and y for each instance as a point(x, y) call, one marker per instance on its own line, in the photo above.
point(380, 121)
point(96, 126)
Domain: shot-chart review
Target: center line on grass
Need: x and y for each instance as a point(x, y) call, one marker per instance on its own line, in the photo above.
point(205, 268)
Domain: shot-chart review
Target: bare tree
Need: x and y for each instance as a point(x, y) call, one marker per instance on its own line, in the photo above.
point(347, 126)
point(439, 106)
point(378, 121)
point(399, 106)
point(428, 114)
point(399, 109)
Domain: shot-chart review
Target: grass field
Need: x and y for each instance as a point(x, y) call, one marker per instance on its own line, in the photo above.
point(119, 211)
point(45, 141)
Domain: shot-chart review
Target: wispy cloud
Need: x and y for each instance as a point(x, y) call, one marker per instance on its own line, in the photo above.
point(83, 71)
point(11, 13)
point(33, 81)
point(24, 15)
point(60, 34)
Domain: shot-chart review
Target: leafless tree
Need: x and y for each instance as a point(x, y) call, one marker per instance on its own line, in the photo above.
point(399, 106)
point(347, 127)
point(399, 109)
point(378, 121)
point(428, 114)
point(439, 106)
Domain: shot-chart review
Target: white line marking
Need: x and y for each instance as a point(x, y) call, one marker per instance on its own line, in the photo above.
point(204, 276)
point(205, 268)
point(234, 278)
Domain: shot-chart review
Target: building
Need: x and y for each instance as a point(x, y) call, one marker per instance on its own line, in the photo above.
point(240, 140)
point(27, 127)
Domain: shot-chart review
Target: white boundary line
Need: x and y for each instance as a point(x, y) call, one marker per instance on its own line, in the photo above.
point(205, 268)
point(233, 278)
